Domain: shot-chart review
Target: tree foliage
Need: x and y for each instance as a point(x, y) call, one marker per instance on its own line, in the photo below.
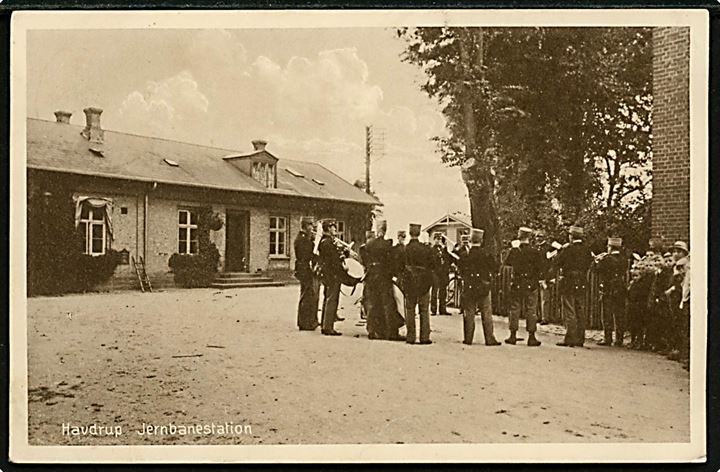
point(553, 122)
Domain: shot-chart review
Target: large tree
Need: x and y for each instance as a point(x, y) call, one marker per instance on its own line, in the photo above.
point(545, 122)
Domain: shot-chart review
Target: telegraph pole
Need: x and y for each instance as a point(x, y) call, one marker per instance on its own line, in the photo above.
point(368, 142)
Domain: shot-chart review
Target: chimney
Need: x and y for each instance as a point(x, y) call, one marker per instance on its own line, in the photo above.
point(93, 132)
point(62, 116)
point(259, 144)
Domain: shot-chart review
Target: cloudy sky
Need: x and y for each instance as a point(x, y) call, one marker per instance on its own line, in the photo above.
point(309, 92)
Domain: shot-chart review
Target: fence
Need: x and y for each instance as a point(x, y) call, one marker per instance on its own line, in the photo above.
point(549, 303)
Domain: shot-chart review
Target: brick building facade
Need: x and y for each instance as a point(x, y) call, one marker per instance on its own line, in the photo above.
point(156, 188)
point(671, 134)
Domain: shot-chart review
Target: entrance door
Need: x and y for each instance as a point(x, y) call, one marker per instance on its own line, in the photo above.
point(237, 241)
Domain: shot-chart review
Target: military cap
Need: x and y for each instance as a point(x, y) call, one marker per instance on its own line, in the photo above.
point(577, 231)
point(381, 225)
point(614, 242)
point(307, 221)
point(437, 235)
point(524, 232)
point(414, 230)
point(681, 245)
point(328, 223)
point(402, 233)
point(476, 236)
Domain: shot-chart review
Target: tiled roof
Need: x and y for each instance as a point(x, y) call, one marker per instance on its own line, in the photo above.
point(60, 147)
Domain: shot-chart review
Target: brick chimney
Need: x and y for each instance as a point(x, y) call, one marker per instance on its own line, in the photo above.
point(93, 132)
point(259, 144)
point(62, 116)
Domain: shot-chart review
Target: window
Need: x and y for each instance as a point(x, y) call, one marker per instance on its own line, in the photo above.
point(187, 232)
point(92, 223)
point(264, 173)
point(341, 231)
point(278, 236)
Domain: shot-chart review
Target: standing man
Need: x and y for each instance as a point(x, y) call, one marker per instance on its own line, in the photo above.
point(574, 261)
point(611, 269)
point(362, 251)
point(527, 263)
point(383, 318)
point(462, 248)
point(331, 263)
point(441, 276)
point(305, 273)
point(418, 279)
point(544, 247)
point(476, 268)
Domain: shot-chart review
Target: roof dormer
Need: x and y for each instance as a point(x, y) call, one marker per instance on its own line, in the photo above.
point(259, 164)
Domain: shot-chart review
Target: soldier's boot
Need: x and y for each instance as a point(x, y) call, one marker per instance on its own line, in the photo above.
point(619, 339)
point(513, 338)
point(533, 341)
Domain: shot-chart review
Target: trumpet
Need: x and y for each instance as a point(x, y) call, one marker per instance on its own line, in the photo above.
point(348, 246)
point(446, 239)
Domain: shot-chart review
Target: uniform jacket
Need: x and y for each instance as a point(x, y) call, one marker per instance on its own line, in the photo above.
point(304, 256)
point(443, 259)
point(419, 263)
point(574, 260)
point(377, 258)
point(476, 269)
point(611, 271)
point(331, 259)
point(527, 264)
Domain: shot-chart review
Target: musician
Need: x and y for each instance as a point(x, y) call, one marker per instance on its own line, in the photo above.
point(383, 319)
point(574, 260)
point(305, 262)
point(547, 277)
point(398, 254)
point(369, 236)
point(441, 276)
point(418, 279)
point(476, 269)
point(611, 268)
point(527, 264)
point(331, 259)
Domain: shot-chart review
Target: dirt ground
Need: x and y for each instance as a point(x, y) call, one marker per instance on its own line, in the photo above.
point(205, 356)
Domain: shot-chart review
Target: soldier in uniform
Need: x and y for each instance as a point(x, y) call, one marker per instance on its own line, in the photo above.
point(383, 318)
point(305, 273)
point(527, 264)
point(369, 236)
point(441, 276)
point(418, 279)
point(574, 261)
point(462, 248)
point(611, 269)
point(331, 259)
point(476, 269)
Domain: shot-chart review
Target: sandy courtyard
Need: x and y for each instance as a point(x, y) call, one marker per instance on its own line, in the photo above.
point(234, 357)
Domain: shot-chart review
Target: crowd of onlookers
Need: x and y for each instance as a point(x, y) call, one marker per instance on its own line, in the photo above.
point(658, 301)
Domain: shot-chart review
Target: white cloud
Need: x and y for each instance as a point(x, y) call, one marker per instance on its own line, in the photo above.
point(166, 108)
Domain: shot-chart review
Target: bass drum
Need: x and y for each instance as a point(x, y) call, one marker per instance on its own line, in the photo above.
point(354, 268)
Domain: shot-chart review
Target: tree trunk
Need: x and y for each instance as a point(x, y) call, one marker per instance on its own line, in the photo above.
point(476, 174)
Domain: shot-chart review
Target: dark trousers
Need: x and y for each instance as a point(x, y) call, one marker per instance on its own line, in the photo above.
point(331, 298)
point(471, 307)
point(382, 318)
point(523, 300)
point(613, 306)
point(421, 302)
point(574, 316)
point(636, 317)
point(438, 294)
point(308, 304)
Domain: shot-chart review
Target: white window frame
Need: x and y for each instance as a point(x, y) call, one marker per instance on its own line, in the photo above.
point(274, 250)
point(88, 224)
point(187, 229)
point(264, 172)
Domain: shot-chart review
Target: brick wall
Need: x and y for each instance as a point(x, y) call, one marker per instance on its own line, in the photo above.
point(671, 134)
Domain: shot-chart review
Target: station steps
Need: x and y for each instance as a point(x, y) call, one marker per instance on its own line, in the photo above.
point(244, 280)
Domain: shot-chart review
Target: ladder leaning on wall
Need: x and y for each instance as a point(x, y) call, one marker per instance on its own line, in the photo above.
point(142, 276)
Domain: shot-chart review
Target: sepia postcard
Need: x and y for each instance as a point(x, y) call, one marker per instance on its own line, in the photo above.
point(358, 236)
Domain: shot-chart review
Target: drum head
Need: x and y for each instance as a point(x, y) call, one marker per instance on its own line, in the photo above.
point(354, 268)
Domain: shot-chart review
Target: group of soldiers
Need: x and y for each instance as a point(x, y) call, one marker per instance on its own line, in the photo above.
point(421, 273)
